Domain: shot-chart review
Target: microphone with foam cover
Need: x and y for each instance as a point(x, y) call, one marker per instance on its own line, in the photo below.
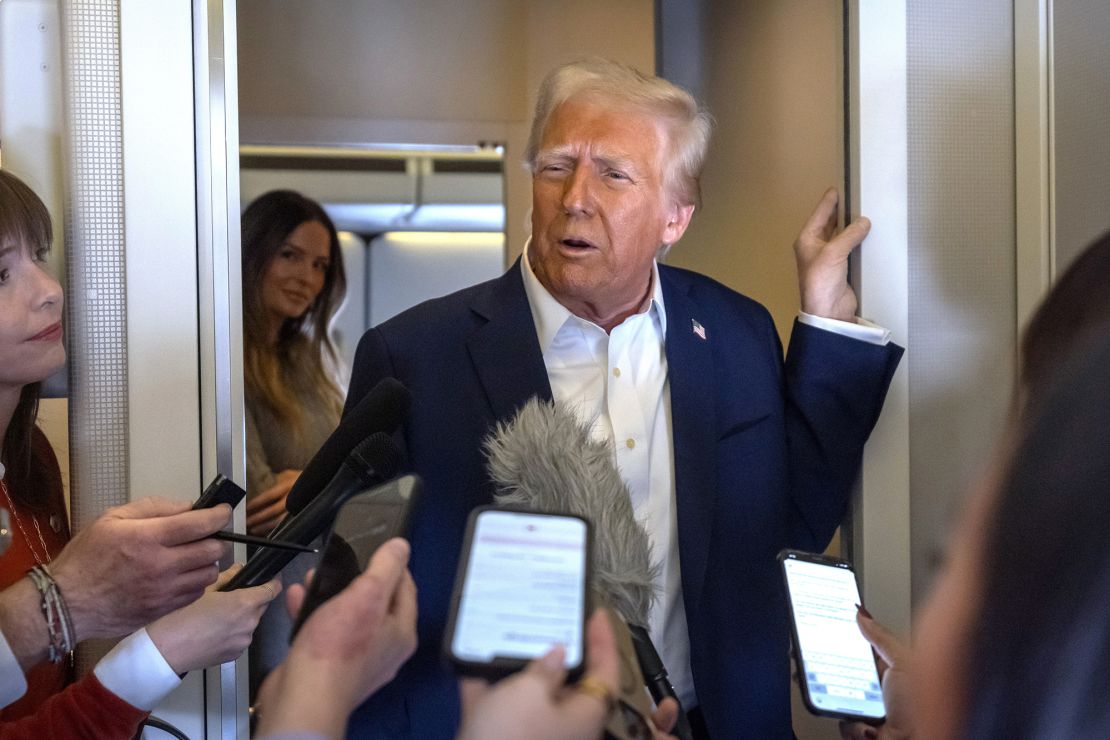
point(370, 463)
point(381, 410)
point(545, 459)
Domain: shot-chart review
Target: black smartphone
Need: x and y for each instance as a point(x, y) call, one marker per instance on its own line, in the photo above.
point(835, 662)
point(362, 524)
point(520, 589)
point(220, 491)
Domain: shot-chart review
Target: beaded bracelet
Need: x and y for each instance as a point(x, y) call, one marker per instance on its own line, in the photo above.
point(55, 612)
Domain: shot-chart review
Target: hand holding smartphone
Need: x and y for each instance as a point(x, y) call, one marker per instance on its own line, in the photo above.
point(520, 590)
point(224, 491)
point(220, 491)
point(835, 662)
point(362, 524)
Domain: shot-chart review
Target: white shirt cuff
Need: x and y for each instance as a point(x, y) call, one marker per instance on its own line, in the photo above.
point(136, 672)
point(863, 330)
point(13, 684)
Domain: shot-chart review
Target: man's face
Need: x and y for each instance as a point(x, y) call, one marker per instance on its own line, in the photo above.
point(599, 208)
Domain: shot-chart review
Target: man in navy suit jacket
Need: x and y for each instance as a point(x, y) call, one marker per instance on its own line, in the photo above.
point(735, 453)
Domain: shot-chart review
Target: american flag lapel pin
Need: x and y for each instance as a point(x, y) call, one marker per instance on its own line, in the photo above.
point(698, 329)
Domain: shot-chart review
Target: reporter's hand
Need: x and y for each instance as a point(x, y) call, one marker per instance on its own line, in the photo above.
point(664, 718)
point(137, 562)
point(215, 628)
point(266, 509)
point(350, 647)
point(894, 669)
point(822, 256)
point(536, 704)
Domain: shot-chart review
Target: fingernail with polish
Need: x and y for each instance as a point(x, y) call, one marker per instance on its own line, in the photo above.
point(862, 610)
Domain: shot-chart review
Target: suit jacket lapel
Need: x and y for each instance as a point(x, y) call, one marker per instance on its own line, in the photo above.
point(509, 364)
point(505, 350)
point(691, 373)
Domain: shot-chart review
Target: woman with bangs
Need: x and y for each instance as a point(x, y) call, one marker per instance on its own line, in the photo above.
point(116, 697)
point(31, 348)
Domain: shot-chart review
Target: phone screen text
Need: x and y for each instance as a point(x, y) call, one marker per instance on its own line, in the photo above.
point(524, 588)
point(839, 666)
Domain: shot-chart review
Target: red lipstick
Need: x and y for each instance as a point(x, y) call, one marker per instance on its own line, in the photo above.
point(49, 334)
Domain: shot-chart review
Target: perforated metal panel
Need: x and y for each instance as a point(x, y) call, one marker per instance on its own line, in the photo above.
point(962, 263)
point(1081, 101)
point(97, 309)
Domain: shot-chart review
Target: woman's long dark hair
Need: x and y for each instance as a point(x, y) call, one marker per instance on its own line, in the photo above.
point(303, 341)
point(1039, 653)
point(24, 220)
point(1077, 307)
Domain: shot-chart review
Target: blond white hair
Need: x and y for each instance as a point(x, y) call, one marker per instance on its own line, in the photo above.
point(688, 123)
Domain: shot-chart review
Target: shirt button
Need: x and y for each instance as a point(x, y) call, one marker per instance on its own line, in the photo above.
point(630, 443)
point(616, 372)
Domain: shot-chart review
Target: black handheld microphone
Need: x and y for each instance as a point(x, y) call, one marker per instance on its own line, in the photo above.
point(381, 410)
point(655, 676)
point(373, 461)
point(545, 459)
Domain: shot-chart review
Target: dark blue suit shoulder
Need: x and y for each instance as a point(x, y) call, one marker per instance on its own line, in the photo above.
point(717, 297)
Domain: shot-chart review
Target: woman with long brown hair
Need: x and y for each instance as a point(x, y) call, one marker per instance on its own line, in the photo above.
point(293, 282)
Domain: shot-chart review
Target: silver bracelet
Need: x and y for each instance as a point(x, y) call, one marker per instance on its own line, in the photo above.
point(54, 610)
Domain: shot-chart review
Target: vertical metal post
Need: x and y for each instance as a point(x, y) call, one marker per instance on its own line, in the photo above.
point(219, 304)
point(96, 312)
point(879, 173)
point(1033, 153)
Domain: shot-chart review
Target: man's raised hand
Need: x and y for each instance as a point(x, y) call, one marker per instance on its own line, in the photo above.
point(822, 256)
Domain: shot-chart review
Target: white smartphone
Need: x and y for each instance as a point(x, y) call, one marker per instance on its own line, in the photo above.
point(520, 590)
point(835, 662)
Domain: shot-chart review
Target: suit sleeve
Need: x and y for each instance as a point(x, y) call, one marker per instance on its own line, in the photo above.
point(372, 364)
point(835, 387)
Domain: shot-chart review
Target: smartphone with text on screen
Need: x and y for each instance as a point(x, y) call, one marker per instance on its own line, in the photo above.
point(520, 589)
point(835, 662)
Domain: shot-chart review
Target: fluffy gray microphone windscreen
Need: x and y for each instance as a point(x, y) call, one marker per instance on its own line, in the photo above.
point(545, 459)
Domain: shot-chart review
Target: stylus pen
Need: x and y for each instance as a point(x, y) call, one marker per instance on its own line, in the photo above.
point(247, 539)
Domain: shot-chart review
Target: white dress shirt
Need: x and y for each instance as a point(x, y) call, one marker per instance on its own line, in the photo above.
point(135, 671)
point(13, 684)
point(617, 383)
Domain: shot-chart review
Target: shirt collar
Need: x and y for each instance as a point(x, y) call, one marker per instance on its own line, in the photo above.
point(549, 315)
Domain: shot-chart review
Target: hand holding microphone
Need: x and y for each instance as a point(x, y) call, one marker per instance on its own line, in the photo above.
point(383, 409)
point(545, 459)
point(358, 455)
